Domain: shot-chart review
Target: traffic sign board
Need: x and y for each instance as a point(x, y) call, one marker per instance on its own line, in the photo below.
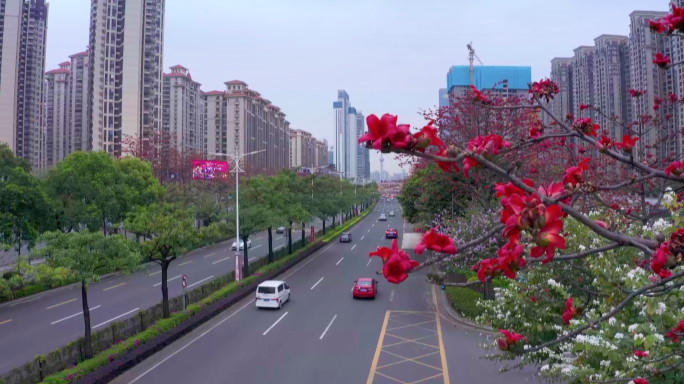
point(185, 281)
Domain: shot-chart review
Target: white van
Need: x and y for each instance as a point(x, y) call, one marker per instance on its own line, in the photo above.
point(272, 294)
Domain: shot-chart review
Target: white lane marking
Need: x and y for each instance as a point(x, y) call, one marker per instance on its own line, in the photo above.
point(218, 261)
point(314, 286)
point(382, 237)
point(69, 317)
point(353, 247)
point(392, 295)
point(369, 262)
point(173, 278)
point(250, 302)
point(362, 237)
point(279, 238)
point(259, 238)
point(256, 247)
point(368, 229)
point(328, 327)
point(340, 261)
point(156, 273)
point(120, 316)
point(278, 247)
point(274, 324)
point(201, 281)
point(312, 259)
point(211, 254)
point(188, 262)
point(252, 258)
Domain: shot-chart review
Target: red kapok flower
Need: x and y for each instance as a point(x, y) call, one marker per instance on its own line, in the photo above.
point(656, 26)
point(585, 126)
point(661, 60)
point(582, 107)
point(676, 243)
point(378, 129)
point(485, 268)
point(479, 96)
point(641, 353)
point(627, 144)
point(510, 258)
point(446, 166)
point(676, 332)
point(383, 252)
point(536, 131)
point(604, 143)
point(574, 175)
point(549, 237)
point(399, 136)
point(437, 242)
point(395, 269)
point(661, 260)
point(635, 93)
point(640, 381)
point(469, 163)
point(601, 224)
point(676, 168)
point(570, 311)
point(545, 89)
point(510, 338)
point(427, 137)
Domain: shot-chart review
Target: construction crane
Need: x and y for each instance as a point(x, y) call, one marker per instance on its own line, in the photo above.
point(471, 57)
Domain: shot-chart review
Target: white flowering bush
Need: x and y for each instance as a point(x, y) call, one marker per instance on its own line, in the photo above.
point(534, 306)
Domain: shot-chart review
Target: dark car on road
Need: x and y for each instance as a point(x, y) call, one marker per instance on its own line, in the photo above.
point(365, 288)
point(280, 230)
point(345, 237)
point(391, 233)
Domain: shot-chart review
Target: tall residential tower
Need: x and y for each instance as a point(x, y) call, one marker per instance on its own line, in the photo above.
point(125, 88)
point(23, 35)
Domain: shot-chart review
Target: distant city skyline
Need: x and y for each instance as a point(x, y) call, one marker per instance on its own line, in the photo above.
point(402, 83)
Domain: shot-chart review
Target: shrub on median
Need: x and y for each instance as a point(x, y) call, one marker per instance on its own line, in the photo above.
point(464, 301)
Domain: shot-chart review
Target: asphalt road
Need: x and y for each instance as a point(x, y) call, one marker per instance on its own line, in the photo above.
point(324, 336)
point(46, 321)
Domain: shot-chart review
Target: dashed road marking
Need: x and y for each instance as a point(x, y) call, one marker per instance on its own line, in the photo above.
point(118, 317)
point(314, 286)
point(339, 261)
point(211, 254)
point(173, 278)
point(69, 317)
point(353, 247)
point(201, 281)
point(392, 295)
point(5, 321)
point(369, 262)
point(274, 324)
point(116, 286)
point(218, 261)
point(328, 327)
point(187, 262)
point(57, 305)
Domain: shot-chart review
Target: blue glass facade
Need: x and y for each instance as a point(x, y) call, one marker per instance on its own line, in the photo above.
point(485, 77)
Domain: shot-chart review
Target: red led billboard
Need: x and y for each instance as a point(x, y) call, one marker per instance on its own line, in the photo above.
point(209, 169)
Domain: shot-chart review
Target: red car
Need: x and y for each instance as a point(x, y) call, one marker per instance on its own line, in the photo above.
point(365, 287)
point(391, 233)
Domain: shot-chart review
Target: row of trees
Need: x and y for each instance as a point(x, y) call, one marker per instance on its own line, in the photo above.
point(94, 214)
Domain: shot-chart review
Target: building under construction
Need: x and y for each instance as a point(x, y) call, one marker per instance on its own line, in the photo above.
point(505, 80)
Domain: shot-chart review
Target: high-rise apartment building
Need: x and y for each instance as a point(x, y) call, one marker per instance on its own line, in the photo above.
point(443, 98)
point(302, 149)
point(125, 84)
point(646, 76)
point(583, 80)
point(561, 74)
point(367, 173)
point(57, 114)
point(239, 120)
point(183, 113)
point(331, 156)
point(611, 82)
point(23, 28)
point(78, 138)
point(343, 131)
point(321, 153)
point(360, 148)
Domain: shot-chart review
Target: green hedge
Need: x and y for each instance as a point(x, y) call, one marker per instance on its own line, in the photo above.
point(464, 301)
point(103, 358)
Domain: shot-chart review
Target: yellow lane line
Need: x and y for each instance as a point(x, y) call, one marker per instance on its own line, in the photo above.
point(428, 378)
point(413, 325)
point(413, 360)
point(187, 262)
point(5, 322)
point(409, 341)
point(378, 349)
point(391, 378)
point(57, 305)
point(403, 361)
point(116, 286)
point(445, 367)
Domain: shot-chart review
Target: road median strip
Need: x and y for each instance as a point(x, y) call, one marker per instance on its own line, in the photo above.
point(110, 363)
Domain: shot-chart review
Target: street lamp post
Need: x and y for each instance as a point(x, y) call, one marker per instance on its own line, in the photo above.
point(236, 159)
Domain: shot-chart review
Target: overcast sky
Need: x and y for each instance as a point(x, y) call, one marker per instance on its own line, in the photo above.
point(391, 56)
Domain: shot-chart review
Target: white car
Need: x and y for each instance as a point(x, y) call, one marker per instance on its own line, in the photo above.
point(242, 245)
point(272, 294)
